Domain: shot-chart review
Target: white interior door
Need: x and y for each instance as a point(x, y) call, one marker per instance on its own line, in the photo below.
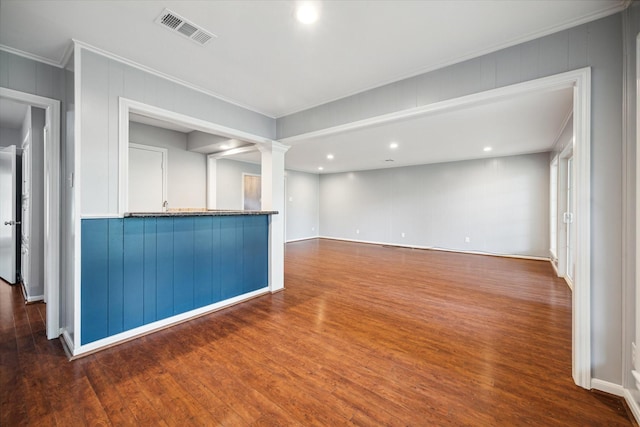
point(25, 236)
point(8, 213)
point(251, 192)
point(147, 178)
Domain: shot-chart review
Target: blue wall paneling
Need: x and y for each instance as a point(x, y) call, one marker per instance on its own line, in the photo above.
point(95, 291)
point(230, 256)
point(149, 271)
point(133, 268)
point(116, 282)
point(203, 260)
point(164, 279)
point(139, 270)
point(183, 252)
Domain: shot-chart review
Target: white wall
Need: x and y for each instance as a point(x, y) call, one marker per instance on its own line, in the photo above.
point(501, 204)
point(9, 137)
point(187, 171)
point(302, 205)
point(631, 28)
point(229, 182)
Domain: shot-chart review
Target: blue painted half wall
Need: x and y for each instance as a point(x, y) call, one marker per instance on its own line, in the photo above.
point(136, 271)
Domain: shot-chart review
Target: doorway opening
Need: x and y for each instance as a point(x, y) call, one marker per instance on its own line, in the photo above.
point(579, 81)
point(50, 173)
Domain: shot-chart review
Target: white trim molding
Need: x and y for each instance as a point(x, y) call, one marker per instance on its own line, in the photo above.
point(127, 106)
point(582, 281)
point(52, 202)
point(633, 405)
point(77, 195)
point(32, 56)
point(161, 324)
point(428, 248)
point(607, 387)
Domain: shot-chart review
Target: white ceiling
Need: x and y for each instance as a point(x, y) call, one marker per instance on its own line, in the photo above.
point(524, 124)
point(264, 59)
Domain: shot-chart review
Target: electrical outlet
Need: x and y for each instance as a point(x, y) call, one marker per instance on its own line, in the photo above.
point(467, 239)
point(313, 229)
point(358, 231)
point(402, 234)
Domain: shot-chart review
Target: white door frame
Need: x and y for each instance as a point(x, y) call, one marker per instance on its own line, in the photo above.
point(567, 154)
point(51, 204)
point(580, 81)
point(636, 360)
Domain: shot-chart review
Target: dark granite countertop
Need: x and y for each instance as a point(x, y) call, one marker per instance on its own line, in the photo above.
point(214, 212)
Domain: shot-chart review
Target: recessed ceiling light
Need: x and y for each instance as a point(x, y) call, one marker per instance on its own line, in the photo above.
point(330, 156)
point(487, 149)
point(225, 147)
point(320, 168)
point(307, 13)
point(393, 145)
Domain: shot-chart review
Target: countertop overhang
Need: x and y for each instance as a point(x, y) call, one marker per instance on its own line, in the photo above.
point(213, 212)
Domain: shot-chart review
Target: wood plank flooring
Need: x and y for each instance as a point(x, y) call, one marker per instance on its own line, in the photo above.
point(363, 335)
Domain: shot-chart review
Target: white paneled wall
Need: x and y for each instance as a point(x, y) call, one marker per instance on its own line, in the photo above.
point(103, 81)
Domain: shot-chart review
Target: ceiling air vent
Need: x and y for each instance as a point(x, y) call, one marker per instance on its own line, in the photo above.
point(177, 23)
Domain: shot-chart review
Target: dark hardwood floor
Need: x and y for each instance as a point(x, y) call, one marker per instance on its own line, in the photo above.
point(363, 334)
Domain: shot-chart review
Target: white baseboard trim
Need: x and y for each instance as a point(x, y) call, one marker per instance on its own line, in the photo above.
point(569, 282)
point(618, 390)
point(101, 344)
point(434, 248)
point(30, 298)
point(633, 405)
point(302, 238)
point(555, 268)
point(67, 343)
point(607, 387)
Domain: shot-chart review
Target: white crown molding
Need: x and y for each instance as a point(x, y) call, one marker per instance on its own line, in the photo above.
point(64, 61)
point(162, 75)
point(31, 56)
point(615, 8)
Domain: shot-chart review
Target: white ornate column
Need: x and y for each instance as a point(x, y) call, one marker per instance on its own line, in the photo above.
point(273, 199)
